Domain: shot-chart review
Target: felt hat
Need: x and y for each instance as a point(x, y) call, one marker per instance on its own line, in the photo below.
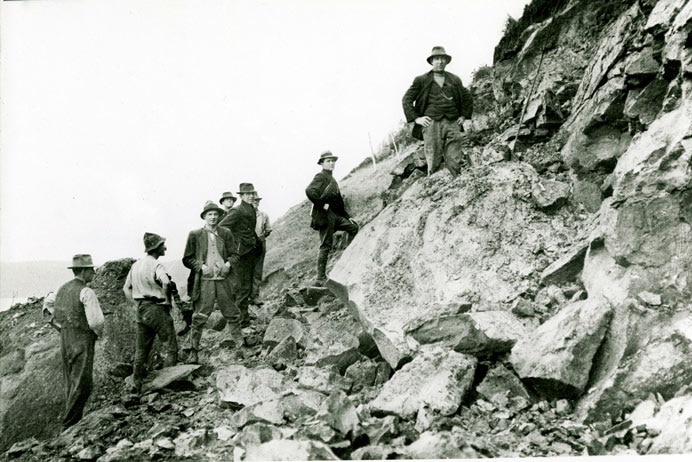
point(326, 155)
point(438, 51)
point(246, 188)
point(227, 195)
point(208, 207)
point(82, 260)
point(152, 241)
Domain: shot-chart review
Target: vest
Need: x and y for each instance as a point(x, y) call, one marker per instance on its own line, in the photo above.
point(69, 310)
point(441, 103)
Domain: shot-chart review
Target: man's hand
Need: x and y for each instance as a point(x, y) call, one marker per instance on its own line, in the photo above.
point(424, 121)
point(325, 206)
point(461, 120)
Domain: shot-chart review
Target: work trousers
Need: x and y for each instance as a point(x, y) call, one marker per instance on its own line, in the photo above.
point(77, 348)
point(219, 292)
point(243, 274)
point(443, 141)
point(153, 319)
point(257, 272)
point(335, 223)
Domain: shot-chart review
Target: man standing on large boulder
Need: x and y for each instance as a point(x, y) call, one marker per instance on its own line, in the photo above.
point(328, 212)
point(78, 314)
point(210, 253)
point(438, 104)
point(241, 221)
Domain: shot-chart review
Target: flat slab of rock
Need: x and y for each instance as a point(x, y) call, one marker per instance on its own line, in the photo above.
point(270, 411)
point(436, 378)
point(163, 377)
point(280, 328)
point(479, 333)
point(321, 379)
point(238, 384)
point(290, 450)
point(500, 381)
point(334, 340)
point(557, 357)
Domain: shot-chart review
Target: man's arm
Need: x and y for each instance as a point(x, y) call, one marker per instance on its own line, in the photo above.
point(49, 303)
point(92, 310)
point(267, 225)
point(190, 256)
point(161, 277)
point(410, 98)
point(316, 188)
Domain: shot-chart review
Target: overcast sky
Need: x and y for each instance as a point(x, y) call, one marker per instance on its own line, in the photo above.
point(122, 117)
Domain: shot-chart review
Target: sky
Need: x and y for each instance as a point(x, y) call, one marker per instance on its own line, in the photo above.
point(120, 117)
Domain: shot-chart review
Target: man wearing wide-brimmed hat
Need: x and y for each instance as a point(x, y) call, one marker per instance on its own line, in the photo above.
point(241, 221)
point(328, 212)
point(438, 104)
point(210, 253)
point(227, 200)
point(78, 315)
point(149, 287)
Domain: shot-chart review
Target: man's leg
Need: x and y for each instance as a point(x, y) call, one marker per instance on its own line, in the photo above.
point(145, 340)
point(165, 329)
point(433, 146)
point(453, 152)
point(243, 287)
point(257, 275)
point(326, 242)
point(229, 310)
point(344, 224)
point(203, 308)
point(80, 354)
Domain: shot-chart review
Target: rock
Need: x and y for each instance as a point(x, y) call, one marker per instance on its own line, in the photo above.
point(526, 308)
point(121, 370)
point(324, 380)
point(662, 15)
point(283, 354)
point(362, 373)
point(437, 378)
point(567, 267)
point(268, 411)
point(424, 419)
point(313, 295)
point(479, 333)
point(21, 447)
point(371, 452)
point(556, 359)
point(334, 340)
point(239, 385)
point(587, 194)
point(645, 104)
point(12, 362)
point(441, 445)
point(161, 378)
point(642, 64)
point(90, 453)
point(280, 328)
point(549, 194)
point(187, 444)
point(379, 430)
point(500, 381)
point(257, 433)
point(293, 298)
point(298, 403)
point(672, 425)
point(649, 298)
point(491, 153)
point(339, 413)
point(216, 321)
point(290, 450)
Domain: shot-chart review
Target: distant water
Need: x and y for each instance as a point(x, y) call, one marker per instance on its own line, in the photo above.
point(6, 303)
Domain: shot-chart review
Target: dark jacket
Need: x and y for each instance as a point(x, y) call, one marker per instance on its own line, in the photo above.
point(241, 221)
point(415, 100)
point(196, 255)
point(324, 190)
point(69, 310)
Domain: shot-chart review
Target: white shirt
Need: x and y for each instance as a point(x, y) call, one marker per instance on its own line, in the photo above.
point(146, 279)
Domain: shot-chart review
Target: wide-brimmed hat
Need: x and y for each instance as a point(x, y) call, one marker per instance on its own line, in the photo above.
point(438, 51)
point(208, 207)
point(326, 155)
point(227, 195)
point(246, 188)
point(152, 241)
point(82, 260)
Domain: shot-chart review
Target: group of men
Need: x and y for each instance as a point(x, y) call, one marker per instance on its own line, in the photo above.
point(226, 255)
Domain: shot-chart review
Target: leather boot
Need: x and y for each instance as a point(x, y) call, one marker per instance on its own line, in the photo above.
point(322, 259)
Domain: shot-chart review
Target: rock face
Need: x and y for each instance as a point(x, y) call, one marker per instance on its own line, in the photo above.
point(436, 378)
point(557, 358)
point(424, 251)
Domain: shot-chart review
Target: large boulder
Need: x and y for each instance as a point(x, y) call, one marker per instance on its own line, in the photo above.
point(240, 385)
point(436, 378)
point(556, 359)
point(445, 239)
point(672, 425)
point(333, 340)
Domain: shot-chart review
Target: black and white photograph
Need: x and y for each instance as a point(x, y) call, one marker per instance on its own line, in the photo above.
point(253, 230)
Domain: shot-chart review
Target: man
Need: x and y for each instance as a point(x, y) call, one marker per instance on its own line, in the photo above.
point(210, 252)
point(241, 222)
point(263, 229)
point(79, 318)
point(149, 287)
point(438, 104)
point(328, 212)
point(227, 200)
